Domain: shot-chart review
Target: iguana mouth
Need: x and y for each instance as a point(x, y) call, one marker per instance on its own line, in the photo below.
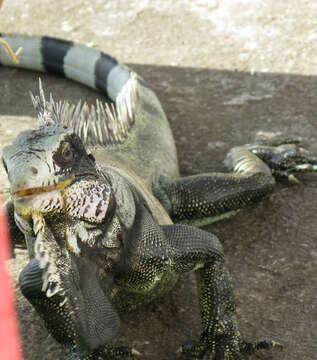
point(37, 190)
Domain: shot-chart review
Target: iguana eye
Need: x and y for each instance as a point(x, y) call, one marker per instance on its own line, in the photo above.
point(64, 155)
point(66, 152)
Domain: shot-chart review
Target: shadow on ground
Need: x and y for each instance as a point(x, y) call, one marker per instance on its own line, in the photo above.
point(271, 250)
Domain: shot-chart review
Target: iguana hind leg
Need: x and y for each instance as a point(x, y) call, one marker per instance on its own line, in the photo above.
point(202, 199)
point(196, 250)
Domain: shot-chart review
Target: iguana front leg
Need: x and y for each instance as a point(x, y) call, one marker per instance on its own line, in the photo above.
point(56, 313)
point(192, 249)
point(202, 199)
point(74, 303)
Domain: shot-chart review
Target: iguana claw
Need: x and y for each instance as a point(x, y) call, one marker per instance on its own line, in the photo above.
point(275, 139)
point(136, 353)
point(109, 352)
point(283, 156)
point(250, 348)
point(192, 349)
point(196, 350)
point(293, 179)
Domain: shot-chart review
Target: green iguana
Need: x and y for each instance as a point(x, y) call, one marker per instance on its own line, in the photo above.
point(96, 194)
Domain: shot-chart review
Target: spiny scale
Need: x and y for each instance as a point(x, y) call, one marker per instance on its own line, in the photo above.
point(99, 124)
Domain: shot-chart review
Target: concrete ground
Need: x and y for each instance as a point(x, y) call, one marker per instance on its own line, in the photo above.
point(223, 71)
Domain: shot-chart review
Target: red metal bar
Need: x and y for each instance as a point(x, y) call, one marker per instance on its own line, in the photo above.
point(10, 345)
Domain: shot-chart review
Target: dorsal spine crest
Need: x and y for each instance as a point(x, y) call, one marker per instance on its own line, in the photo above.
point(99, 124)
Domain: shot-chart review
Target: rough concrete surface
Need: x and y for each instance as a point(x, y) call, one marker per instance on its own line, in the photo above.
point(223, 70)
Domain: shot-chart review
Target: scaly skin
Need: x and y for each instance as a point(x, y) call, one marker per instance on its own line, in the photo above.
point(96, 200)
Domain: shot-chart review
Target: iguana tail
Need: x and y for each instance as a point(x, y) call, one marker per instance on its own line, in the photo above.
point(73, 61)
point(104, 124)
point(134, 115)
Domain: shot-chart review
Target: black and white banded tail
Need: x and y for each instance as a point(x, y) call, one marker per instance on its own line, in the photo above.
point(96, 125)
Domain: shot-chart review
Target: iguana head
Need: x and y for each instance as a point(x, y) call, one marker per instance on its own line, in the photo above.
point(61, 200)
point(43, 160)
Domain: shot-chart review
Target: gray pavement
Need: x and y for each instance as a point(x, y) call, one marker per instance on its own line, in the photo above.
point(223, 71)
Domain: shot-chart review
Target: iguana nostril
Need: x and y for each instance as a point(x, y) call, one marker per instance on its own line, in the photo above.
point(34, 170)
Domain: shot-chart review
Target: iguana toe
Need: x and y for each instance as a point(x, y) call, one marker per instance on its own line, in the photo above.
point(191, 351)
point(275, 138)
point(286, 159)
point(252, 347)
point(108, 352)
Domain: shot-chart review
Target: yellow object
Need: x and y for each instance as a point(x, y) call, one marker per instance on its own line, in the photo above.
point(13, 55)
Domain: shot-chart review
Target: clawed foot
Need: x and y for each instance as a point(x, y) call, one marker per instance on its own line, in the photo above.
point(283, 155)
point(191, 350)
point(275, 139)
point(250, 348)
point(228, 351)
point(219, 348)
point(108, 352)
